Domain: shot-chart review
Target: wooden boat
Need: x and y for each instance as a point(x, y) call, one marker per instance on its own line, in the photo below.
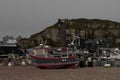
point(49, 61)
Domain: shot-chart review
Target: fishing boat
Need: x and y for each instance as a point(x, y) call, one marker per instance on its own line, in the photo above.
point(42, 58)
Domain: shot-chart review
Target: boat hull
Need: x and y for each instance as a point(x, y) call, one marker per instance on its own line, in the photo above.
point(56, 66)
point(54, 62)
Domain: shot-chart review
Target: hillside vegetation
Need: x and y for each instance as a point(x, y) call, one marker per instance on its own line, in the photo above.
point(84, 28)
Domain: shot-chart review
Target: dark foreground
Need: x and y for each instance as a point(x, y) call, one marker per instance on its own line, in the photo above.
point(32, 73)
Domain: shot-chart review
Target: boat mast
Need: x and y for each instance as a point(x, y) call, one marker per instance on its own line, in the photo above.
point(62, 30)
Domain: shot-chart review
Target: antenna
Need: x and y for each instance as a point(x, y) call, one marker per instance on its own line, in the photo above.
point(75, 38)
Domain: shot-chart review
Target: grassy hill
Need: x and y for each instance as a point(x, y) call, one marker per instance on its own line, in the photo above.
point(84, 28)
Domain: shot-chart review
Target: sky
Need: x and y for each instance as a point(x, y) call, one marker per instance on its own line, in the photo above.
point(27, 17)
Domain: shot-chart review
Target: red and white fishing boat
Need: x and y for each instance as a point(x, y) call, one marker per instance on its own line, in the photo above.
point(43, 59)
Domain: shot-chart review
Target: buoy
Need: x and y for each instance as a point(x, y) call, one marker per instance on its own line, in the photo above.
point(107, 65)
point(9, 64)
point(23, 62)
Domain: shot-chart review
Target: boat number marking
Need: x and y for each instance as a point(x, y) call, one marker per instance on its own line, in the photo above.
point(63, 59)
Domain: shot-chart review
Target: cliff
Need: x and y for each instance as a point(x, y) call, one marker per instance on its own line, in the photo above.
point(84, 28)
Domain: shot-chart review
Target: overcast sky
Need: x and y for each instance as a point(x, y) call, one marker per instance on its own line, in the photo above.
point(27, 17)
